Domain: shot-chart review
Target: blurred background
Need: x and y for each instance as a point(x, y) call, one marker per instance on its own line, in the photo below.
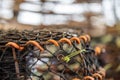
point(99, 18)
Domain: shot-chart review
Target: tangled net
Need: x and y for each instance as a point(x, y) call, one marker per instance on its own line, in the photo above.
point(46, 55)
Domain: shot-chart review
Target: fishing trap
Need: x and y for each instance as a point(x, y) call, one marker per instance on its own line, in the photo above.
point(48, 55)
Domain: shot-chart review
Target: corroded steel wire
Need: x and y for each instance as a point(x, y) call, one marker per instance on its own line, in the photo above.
point(75, 39)
point(88, 78)
point(13, 44)
point(98, 76)
point(35, 44)
point(65, 40)
point(54, 42)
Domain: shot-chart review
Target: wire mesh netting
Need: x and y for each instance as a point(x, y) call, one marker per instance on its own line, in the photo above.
point(48, 55)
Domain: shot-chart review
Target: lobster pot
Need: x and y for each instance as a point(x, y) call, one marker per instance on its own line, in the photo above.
point(48, 55)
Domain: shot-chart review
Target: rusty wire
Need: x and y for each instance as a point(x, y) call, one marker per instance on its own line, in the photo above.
point(45, 55)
